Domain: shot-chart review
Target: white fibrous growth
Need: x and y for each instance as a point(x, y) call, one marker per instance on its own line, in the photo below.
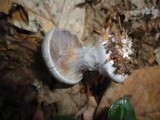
point(118, 57)
point(126, 49)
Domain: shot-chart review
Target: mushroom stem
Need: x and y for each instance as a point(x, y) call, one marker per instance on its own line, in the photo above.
point(94, 58)
point(89, 57)
point(86, 59)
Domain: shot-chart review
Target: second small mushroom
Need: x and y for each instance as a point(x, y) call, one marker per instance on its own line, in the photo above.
point(67, 58)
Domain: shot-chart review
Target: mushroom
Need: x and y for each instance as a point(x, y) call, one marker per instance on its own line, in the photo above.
point(67, 58)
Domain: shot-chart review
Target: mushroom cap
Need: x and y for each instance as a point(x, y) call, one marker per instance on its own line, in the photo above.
point(58, 51)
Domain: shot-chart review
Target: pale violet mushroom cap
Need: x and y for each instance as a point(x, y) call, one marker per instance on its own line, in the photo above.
point(58, 53)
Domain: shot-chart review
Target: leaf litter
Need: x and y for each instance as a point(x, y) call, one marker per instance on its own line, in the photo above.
point(25, 80)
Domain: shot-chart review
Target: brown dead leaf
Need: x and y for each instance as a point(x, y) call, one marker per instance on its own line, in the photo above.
point(5, 6)
point(89, 113)
point(19, 17)
point(19, 51)
point(45, 23)
point(142, 87)
point(153, 25)
point(19, 14)
point(39, 115)
point(151, 59)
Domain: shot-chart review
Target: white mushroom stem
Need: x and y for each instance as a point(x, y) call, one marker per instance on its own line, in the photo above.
point(94, 58)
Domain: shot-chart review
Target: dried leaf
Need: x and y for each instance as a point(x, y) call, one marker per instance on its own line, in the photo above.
point(19, 18)
point(89, 113)
point(5, 6)
point(157, 55)
point(142, 86)
point(38, 115)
